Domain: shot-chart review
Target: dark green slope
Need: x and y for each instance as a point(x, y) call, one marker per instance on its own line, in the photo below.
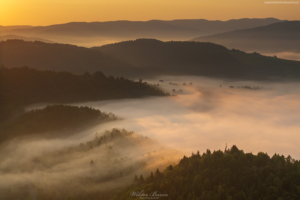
point(232, 176)
point(52, 121)
point(24, 86)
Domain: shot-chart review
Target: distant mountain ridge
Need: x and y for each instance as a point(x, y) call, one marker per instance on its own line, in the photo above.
point(277, 37)
point(148, 58)
point(16, 37)
point(7, 28)
point(100, 33)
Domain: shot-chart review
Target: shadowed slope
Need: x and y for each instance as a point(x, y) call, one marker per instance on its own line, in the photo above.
point(62, 57)
point(278, 37)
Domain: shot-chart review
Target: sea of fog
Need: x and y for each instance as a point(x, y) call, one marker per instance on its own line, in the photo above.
point(207, 114)
point(201, 114)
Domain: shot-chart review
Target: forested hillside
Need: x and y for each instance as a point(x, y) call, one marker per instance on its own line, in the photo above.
point(59, 57)
point(234, 175)
point(52, 121)
point(148, 58)
point(200, 58)
point(175, 58)
point(97, 168)
point(24, 86)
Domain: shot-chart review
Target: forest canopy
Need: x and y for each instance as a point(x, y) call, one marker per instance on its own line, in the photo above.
point(24, 86)
point(233, 175)
point(52, 121)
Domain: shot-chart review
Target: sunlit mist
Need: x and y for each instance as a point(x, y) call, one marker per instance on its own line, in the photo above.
point(209, 114)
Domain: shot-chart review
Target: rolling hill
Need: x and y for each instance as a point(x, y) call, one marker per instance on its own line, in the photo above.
point(231, 175)
point(199, 58)
point(24, 86)
point(174, 58)
point(148, 58)
point(277, 37)
point(59, 57)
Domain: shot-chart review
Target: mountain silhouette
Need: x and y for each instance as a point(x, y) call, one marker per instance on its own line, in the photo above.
point(59, 57)
point(148, 58)
point(199, 58)
point(99, 33)
point(16, 37)
point(277, 37)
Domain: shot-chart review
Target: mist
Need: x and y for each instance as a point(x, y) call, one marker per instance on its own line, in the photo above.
point(200, 113)
point(205, 115)
point(61, 168)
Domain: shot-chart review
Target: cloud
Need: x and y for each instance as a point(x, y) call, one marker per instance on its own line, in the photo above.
point(64, 169)
point(205, 115)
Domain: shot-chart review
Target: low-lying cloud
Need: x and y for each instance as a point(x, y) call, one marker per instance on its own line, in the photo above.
point(209, 114)
point(204, 114)
point(51, 169)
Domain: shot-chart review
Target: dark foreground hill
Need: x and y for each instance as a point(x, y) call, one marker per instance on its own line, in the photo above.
point(24, 86)
point(277, 37)
point(232, 176)
point(59, 57)
point(199, 58)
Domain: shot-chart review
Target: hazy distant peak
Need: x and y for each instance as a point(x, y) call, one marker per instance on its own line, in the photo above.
point(110, 31)
point(17, 37)
point(277, 37)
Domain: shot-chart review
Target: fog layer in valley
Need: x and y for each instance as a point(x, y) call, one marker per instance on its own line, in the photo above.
point(59, 169)
point(205, 115)
point(200, 114)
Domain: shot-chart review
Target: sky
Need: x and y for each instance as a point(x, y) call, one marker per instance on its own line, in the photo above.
point(44, 12)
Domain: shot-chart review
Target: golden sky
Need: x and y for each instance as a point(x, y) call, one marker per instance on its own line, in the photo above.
point(46, 12)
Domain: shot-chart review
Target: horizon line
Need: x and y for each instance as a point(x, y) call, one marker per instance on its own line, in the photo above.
point(145, 21)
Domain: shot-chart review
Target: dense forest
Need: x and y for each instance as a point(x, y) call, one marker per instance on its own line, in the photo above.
point(24, 86)
point(233, 175)
point(52, 121)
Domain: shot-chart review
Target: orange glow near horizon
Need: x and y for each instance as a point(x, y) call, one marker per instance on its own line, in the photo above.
point(39, 12)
